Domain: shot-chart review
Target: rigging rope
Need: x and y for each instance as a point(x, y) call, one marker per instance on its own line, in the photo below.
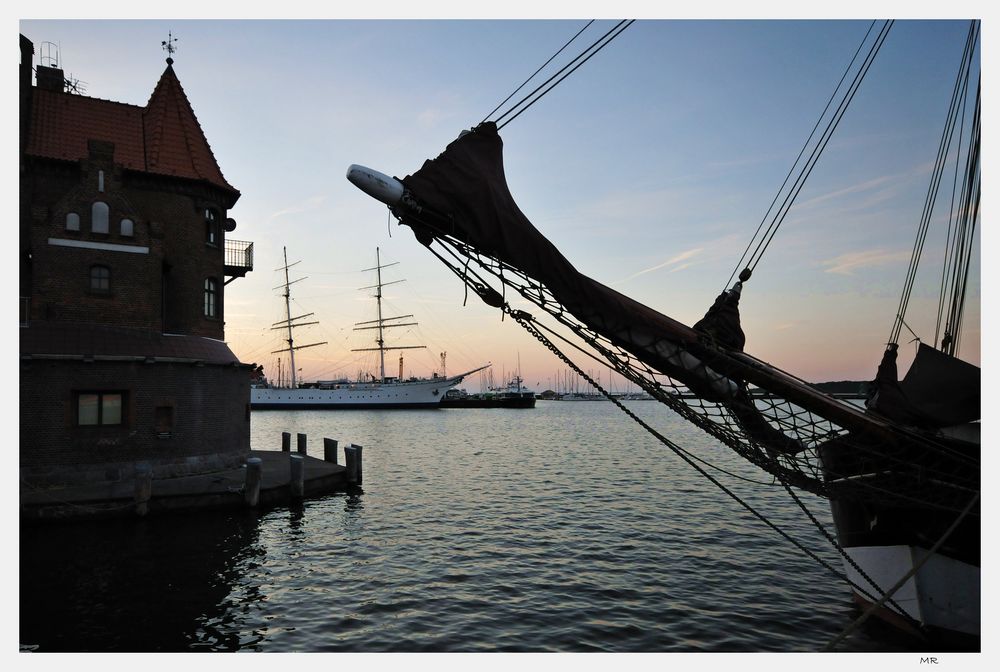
point(943, 152)
point(603, 41)
point(822, 115)
point(960, 255)
point(814, 155)
point(528, 323)
point(534, 327)
point(537, 71)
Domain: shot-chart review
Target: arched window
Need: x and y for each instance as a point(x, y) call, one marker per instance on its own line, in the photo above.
point(99, 217)
point(100, 278)
point(72, 221)
point(211, 297)
point(211, 228)
point(127, 227)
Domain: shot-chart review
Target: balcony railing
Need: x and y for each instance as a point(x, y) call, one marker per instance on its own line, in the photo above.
point(239, 259)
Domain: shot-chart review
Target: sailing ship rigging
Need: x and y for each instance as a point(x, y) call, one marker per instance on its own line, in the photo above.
point(290, 323)
point(381, 392)
point(902, 475)
point(382, 323)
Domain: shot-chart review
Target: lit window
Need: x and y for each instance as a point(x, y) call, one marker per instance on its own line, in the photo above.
point(100, 279)
point(99, 408)
point(164, 422)
point(127, 227)
point(72, 221)
point(100, 181)
point(99, 217)
point(211, 294)
point(211, 228)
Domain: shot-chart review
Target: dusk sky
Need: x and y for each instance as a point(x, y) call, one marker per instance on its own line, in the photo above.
point(650, 168)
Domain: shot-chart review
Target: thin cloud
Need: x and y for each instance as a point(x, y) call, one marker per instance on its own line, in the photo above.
point(846, 264)
point(672, 261)
point(309, 204)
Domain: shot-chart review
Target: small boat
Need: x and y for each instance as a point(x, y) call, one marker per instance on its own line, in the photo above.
point(512, 395)
point(382, 392)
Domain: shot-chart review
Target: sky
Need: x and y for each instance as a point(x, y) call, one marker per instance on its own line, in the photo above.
point(649, 167)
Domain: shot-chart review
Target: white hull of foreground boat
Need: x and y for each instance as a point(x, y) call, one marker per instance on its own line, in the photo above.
point(426, 393)
point(943, 595)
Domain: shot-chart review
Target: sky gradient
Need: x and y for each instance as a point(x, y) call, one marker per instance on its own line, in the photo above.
point(649, 168)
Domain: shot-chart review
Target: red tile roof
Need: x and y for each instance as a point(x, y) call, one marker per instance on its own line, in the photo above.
point(163, 138)
point(54, 338)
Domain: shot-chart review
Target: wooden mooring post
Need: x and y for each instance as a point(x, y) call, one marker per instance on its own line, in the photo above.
point(297, 483)
point(286, 442)
point(143, 489)
point(300, 443)
point(251, 488)
point(352, 459)
point(330, 450)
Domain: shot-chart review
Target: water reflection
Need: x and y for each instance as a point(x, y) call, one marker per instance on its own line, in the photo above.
point(133, 585)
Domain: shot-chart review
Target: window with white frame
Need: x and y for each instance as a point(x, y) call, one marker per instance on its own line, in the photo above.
point(211, 297)
point(99, 408)
point(99, 216)
point(211, 228)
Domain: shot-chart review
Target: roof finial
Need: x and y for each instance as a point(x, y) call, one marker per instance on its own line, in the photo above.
point(168, 44)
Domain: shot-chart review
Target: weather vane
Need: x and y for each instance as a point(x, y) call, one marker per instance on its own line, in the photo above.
point(168, 44)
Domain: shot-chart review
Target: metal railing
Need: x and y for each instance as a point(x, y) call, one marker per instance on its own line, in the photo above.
point(239, 257)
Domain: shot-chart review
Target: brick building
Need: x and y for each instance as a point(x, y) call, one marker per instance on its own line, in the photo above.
point(124, 258)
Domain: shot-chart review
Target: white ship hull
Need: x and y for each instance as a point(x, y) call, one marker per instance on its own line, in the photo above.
point(944, 594)
point(426, 393)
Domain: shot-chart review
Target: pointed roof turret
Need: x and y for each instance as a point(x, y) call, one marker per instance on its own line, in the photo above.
point(163, 138)
point(174, 141)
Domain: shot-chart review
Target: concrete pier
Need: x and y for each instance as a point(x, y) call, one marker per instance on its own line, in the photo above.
point(216, 490)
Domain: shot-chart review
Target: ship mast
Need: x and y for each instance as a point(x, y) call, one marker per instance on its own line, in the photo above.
point(382, 323)
point(290, 322)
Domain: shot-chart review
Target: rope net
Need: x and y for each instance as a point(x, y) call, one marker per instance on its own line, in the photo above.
point(800, 447)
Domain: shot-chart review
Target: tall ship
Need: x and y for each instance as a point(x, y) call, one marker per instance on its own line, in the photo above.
point(901, 475)
point(377, 392)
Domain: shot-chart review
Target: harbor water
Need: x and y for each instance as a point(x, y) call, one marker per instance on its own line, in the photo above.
point(562, 528)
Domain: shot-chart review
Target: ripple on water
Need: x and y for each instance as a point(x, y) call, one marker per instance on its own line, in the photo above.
point(567, 530)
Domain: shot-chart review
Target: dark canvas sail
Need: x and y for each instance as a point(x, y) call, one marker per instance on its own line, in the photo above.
point(467, 184)
point(938, 390)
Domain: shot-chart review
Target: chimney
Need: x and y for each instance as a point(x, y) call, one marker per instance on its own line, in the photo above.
point(50, 79)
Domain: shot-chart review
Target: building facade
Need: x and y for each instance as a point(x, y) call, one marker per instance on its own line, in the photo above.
point(124, 257)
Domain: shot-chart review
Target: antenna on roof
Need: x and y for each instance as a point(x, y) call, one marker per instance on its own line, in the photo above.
point(168, 44)
point(74, 85)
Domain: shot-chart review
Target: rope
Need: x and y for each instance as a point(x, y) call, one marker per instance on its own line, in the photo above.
point(527, 322)
point(604, 40)
point(932, 189)
point(850, 66)
point(814, 155)
point(843, 553)
point(536, 71)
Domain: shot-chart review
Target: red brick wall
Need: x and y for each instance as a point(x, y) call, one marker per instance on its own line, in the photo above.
point(161, 290)
point(211, 426)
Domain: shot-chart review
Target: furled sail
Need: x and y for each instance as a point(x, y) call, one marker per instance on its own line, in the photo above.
point(466, 184)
